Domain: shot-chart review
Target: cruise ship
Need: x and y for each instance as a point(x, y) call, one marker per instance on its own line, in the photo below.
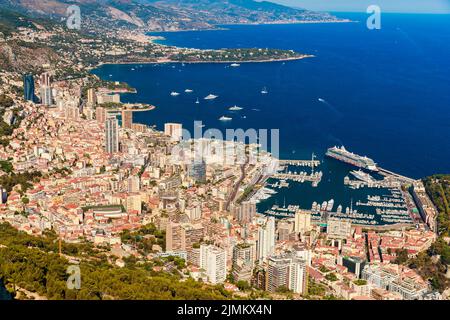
point(349, 157)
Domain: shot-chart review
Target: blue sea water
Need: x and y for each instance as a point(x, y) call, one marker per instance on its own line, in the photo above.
point(386, 93)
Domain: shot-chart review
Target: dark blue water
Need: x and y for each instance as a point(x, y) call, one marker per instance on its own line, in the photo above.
point(4, 294)
point(386, 93)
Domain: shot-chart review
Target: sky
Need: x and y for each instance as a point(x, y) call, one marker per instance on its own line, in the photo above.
point(406, 6)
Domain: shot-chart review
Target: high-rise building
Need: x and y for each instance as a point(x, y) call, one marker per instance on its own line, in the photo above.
point(134, 184)
point(112, 135)
point(243, 262)
point(214, 261)
point(302, 221)
point(134, 203)
point(288, 271)
point(28, 87)
point(182, 237)
point(174, 237)
point(45, 79)
point(266, 239)
point(197, 170)
point(100, 114)
point(127, 119)
point(45, 89)
point(246, 211)
point(92, 99)
point(46, 95)
point(174, 130)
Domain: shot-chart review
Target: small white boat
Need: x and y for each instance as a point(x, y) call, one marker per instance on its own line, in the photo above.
point(197, 102)
point(321, 100)
point(174, 94)
point(264, 91)
point(235, 108)
point(211, 97)
point(235, 65)
point(188, 91)
point(223, 118)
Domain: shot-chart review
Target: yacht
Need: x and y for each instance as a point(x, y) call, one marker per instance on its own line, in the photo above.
point(188, 91)
point(234, 65)
point(223, 118)
point(321, 100)
point(235, 108)
point(211, 97)
point(174, 94)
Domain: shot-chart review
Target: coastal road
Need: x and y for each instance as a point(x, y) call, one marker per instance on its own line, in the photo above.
point(238, 184)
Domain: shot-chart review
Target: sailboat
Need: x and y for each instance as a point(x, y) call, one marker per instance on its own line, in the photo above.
point(197, 102)
point(264, 91)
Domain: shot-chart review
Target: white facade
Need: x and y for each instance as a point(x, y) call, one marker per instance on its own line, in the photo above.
point(214, 261)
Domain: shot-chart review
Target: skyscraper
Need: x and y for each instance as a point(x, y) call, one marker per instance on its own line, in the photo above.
point(45, 89)
point(28, 87)
point(46, 95)
point(246, 211)
point(288, 271)
point(266, 239)
point(127, 119)
point(92, 99)
point(100, 114)
point(112, 135)
point(214, 261)
point(45, 79)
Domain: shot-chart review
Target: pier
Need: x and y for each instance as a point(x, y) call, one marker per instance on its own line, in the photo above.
point(399, 177)
point(300, 163)
point(300, 177)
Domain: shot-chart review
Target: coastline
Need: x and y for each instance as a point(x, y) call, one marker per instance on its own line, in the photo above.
point(253, 24)
point(164, 61)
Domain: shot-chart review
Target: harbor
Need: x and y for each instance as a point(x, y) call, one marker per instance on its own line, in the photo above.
point(369, 197)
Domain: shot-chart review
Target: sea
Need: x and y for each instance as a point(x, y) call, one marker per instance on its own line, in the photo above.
point(381, 93)
point(4, 294)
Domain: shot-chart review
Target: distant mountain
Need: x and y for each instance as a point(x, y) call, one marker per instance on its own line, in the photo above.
point(165, 14)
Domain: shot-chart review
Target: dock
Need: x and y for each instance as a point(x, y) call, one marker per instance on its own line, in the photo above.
point(300, 163)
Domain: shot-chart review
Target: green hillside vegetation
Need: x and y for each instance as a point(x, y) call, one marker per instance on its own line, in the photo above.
point(32, 263)
point(433, 263)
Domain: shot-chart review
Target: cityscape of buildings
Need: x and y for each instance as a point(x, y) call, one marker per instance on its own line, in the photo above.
point(93, 174)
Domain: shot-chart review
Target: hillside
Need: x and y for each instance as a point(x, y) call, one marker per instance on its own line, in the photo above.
point(160, 15)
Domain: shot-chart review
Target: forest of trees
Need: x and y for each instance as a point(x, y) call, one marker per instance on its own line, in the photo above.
point(32, 263)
